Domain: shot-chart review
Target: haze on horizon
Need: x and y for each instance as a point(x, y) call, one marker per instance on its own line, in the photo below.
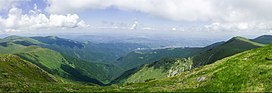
point(216, 19)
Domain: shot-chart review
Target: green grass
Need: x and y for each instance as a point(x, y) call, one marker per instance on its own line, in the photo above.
point(139, 58)
point(46, 59)
point(249, 71)
point(265, 39)
point(15, 69)
point(55, 63)
point(229, 48)
point(161, 69)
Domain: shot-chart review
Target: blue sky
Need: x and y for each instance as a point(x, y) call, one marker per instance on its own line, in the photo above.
point(199, 17)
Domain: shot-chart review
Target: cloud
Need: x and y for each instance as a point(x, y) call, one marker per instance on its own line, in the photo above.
point(6, 4)
point(134, 25)
point(172, 9)
point(180, 10)
point(16, 21)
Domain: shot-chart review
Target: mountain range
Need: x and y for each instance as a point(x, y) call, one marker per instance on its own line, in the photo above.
point(56, 64)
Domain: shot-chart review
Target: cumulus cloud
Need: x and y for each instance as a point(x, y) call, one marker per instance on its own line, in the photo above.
point(238, 14)
point(188, 10)
point(172, 9)
point(134, 25)
point(16, 21)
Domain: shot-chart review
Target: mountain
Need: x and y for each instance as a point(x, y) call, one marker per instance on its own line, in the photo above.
point(160, 66)
point(16, 72)
point(231, 47)
point(59, 65)
point(15, 68)
point(249, 71)
point(265, 39)
point(88, 51)
point(138, 58)
point(166, 67)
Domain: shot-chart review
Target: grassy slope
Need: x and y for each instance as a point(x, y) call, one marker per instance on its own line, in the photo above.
point(50, 60)
point(87, 56)
point(265, 39)
point(160, 69)
point(91, 52)
point(206, 56)
point(231, 47)
point(139, 58)
point(247, 71)
point(15, 70)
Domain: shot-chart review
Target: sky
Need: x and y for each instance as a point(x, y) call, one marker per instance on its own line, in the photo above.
point(172, 17)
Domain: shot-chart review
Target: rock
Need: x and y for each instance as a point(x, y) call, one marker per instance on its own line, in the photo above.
point(199, 79)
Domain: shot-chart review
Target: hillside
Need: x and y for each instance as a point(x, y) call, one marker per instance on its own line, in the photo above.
point(59, 64)
point(231, 47)
point(249, 71)
point(166, 59)
point(166, 67)
point(265, 39)
point(138, 58)
point(15, 68)
point(88, 51)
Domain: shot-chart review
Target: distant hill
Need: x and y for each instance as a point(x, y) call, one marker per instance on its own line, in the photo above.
point(231, 47)
point(138, 58)
point(186, 59)
point(57, 63)
point(265, 39)
point(88, 51)
point(249, 71)
point(166, 67)
point(237, 65)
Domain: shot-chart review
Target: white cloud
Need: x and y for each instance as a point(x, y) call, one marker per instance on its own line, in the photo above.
point(174, 29)
point(172, 9)
point(181, 10)
point(236, 14)
point(17, 21)
point(134, 25)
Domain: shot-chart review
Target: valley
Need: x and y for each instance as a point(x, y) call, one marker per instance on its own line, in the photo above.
point(59, 64)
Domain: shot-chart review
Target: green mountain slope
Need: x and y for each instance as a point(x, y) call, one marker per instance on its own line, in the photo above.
point(54, 62)
point(244, 72)
point(138, 58)
point(90, 52)
point(265, 39)
point(231, 47)
point(249, 71)
point(15, 68)
point(202, 56)
point(163, 68)
point(95, 59)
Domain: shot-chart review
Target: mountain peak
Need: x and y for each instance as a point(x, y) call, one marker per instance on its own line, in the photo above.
point(52, 37)
point(239, 38)
point(264, 39)
point(13, 37)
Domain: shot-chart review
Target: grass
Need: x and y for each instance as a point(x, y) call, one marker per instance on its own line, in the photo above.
point(229, 48)
point(139, 58)
point(15, 69)
point(161, 69)
point(249, 71)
